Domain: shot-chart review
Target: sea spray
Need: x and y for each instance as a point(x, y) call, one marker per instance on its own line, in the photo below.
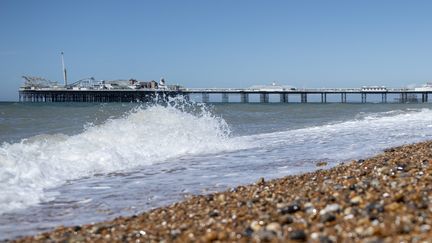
point(145, 135)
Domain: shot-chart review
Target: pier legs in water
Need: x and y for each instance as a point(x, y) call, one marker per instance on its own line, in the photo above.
point(403, 98)
point(264, 98)
point(225, 98)
point(363, 98)
point(424, 97)
point(283, 98)
point(384, 98)
point(323, 98)
point(343, 98)
point(244, 97)
point(303, 98)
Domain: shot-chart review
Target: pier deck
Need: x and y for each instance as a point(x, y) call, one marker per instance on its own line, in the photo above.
point(145, 95)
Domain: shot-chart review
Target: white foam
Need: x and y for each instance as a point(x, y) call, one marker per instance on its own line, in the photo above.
point(158, 133)
point(362, 136)
point(142, 137)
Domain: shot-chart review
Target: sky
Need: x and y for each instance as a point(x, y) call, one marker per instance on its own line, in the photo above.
point(224, 43)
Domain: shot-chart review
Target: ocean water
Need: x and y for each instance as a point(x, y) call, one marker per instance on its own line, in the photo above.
point(69, 164)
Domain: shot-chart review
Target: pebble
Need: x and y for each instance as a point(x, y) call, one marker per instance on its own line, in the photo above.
point(286, 219)
point(265, 236)
point(299, 235)
point(328, 217)
point(356, 200)
point(260, 181)
point(425, 228)
point(214, 213)
point(325, 239)
point(175, 232)
point(330, 209)
point(248, 232)
point(275, 227)
point(321, 164)
point(290, 208)
point(255, 226)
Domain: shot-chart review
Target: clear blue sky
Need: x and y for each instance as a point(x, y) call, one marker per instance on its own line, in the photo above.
point(222, 43)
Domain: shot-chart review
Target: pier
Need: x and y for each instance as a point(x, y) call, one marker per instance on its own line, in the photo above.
point(225, 95)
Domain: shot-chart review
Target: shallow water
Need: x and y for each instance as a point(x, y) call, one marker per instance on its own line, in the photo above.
point(81, 163)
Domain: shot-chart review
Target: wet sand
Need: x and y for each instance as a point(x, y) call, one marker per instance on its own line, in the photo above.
point(385, 198)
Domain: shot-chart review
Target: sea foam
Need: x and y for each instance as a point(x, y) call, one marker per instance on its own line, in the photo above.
point(363, 135)
point(145, 135)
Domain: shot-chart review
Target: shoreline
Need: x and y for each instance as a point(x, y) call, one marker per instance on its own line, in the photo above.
point(383, 198)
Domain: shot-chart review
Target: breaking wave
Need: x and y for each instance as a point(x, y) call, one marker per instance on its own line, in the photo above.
point(145, 135)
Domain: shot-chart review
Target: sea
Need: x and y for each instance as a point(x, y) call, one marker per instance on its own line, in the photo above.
point(79, 163)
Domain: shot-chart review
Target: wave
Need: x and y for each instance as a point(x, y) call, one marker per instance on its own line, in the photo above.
point(143, 136)
point(363, 135)
point(158, 133)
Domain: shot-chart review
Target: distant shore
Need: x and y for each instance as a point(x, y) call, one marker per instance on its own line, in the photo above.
point(381, 199)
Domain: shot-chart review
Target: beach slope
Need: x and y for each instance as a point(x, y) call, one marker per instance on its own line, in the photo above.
point(382, 199)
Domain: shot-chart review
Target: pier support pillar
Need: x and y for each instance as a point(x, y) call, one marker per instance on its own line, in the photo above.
point(205, 97)
point(403, 98)
point(303, 97)
point(323, 98)
point(264, 98)
point(363, 97)
point(225, 98)
point(244, 97)
point(384, 97)
point(284, 98)
point(343, 98)
point(424, 97)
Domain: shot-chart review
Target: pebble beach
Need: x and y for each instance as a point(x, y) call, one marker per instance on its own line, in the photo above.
point(385, 198)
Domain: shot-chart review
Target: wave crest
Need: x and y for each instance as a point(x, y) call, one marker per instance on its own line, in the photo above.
point(145, 135)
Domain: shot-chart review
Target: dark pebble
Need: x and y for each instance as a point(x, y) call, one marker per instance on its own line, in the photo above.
point(248, 232)
point(290, 209)
point(77, 228)
point(373, 208)
point(286, 219)
point(328, 217)
point(298, 235)
point(360, 161)
point(209, 197)
point(214, 213)
point(400, 167)
point(325, 239)
point(331, 199)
